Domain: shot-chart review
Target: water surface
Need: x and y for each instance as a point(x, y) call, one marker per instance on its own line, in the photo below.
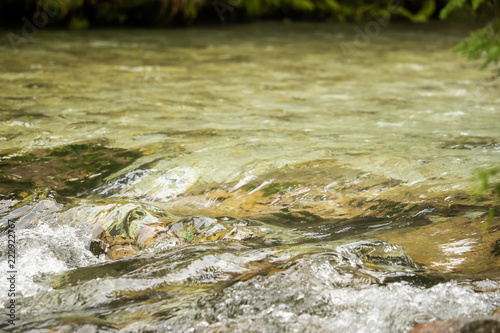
point(338, 182)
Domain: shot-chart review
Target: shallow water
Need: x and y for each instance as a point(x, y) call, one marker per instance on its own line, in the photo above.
point(329, 183)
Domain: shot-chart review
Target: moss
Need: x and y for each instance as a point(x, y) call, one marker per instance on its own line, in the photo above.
point(286, 216)
point(249, 188)
point(310, 217)
point(360, 203)
point(388, 207)
point(301, 216)
point(278, 188)
point(96, 249)
point(82, 274)
point(23, 158)
point(73, 169)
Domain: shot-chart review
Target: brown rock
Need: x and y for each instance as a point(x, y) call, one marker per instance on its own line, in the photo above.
point(454, 245)
point(488, 324)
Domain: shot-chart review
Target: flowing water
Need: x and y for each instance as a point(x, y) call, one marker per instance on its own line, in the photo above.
point(257, 178)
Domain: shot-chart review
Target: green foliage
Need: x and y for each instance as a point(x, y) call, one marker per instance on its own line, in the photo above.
point(303, 5)
point(78, 23)
point(476, 4)
point(278, 188)
point(453, 5)
point(450, 6)
point(81, 14)
point(485, 42)
point(311, 9)
point(427, 9)
point(489, 189)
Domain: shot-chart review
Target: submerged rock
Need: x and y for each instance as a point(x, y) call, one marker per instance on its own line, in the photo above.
point(471, 142)
point(74, 169)
point(125, 228)
point(487, 324)
point(440, 228)
point(450, 244)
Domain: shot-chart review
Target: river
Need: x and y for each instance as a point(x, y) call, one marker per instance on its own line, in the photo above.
point(267, 177)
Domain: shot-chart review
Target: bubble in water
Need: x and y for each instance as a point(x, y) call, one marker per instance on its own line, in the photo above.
point(44, 250)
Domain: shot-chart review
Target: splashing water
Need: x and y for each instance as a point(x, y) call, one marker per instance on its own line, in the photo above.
point(248, 179)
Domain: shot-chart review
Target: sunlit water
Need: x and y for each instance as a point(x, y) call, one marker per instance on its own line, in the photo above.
point(213, 119)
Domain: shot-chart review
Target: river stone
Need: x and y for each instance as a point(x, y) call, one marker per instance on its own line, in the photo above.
point(450, 244)
point(74, 169)
point(488, 324)
point(128, 229)
point(119, 228)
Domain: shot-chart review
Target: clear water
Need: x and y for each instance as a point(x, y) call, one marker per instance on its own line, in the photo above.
point(369, 228)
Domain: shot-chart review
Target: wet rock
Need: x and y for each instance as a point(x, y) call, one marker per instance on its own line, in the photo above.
point(26, 208)
point(203, 229)
point(450, 244)
point(122, 228)
point(74, 169)
point(471, 142)
point(487, 324)
point(306, 192)
point(311, 193)
point(380, 253)
point(440, 230)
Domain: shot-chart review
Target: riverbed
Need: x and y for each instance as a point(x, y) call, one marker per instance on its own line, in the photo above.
point(266, 177)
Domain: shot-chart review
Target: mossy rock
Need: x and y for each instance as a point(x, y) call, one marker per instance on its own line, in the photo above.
point(123, 228)
point(302, 216)
point(278, 188)
point(72, 170)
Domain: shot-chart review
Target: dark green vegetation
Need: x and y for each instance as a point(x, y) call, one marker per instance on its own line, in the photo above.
point(280, 188)
point(298, 217)
point(30, 15)
point(81, 13)
point(485, 41)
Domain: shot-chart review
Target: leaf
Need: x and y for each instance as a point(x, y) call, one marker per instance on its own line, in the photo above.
point(483, 42)
point(333, 5)
point(476, 4)
point(493, 54)
point(78, 23)
point(304, 5)
point(423, 14)
point(450, 6)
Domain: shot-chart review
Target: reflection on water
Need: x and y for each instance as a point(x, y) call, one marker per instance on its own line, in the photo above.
point(249, 177)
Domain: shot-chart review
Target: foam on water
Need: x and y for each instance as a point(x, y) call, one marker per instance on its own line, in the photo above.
point(42, 251)
point(314, 296)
